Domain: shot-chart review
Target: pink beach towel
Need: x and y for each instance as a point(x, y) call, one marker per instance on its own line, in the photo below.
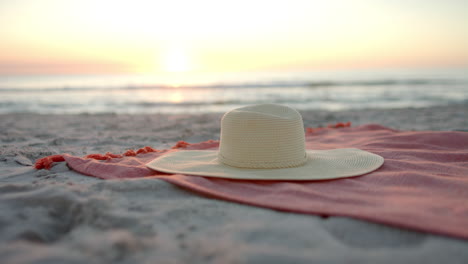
point(423, 184)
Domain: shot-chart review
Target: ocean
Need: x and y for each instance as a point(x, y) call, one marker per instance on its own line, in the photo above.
point(179, 93)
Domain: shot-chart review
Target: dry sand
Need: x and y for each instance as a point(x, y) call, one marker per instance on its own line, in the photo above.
point(59, 216)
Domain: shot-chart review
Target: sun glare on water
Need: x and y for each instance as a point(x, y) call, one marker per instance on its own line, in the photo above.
point(176, 97)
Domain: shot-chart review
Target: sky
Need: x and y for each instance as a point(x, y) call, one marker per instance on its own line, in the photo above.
point(156, 37)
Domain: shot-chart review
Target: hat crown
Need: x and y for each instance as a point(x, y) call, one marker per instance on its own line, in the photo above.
point(263, 136)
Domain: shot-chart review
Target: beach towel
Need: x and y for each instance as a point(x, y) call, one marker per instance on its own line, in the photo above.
point(423, 184)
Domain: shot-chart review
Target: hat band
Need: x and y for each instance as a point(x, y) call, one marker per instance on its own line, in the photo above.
point(263, 164)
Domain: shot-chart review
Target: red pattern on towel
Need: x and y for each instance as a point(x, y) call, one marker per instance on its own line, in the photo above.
point(423, 184)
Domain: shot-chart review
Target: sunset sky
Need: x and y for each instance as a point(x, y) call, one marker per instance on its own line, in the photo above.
point(155, 37)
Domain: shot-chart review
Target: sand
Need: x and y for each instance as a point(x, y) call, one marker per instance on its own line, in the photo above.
point(59, 216)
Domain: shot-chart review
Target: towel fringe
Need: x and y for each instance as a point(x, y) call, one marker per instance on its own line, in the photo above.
point(310, 130)
point(47, 162)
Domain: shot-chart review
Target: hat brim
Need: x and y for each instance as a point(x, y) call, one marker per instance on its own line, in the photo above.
point(321, 165)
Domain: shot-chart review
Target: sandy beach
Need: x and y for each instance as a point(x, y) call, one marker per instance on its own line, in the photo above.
point(60, 216)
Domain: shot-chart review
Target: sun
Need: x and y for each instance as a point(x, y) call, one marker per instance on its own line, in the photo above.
point(176, 60)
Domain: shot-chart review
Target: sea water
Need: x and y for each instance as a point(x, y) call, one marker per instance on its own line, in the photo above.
point(180, 93)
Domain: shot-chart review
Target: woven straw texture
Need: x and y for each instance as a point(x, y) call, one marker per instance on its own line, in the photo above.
point(262, 137)
point(267, 142)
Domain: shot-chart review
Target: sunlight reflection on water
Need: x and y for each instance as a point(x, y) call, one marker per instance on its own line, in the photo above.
point(299, 92)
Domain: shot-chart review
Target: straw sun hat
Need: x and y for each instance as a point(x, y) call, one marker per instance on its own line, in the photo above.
point(267, 142)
